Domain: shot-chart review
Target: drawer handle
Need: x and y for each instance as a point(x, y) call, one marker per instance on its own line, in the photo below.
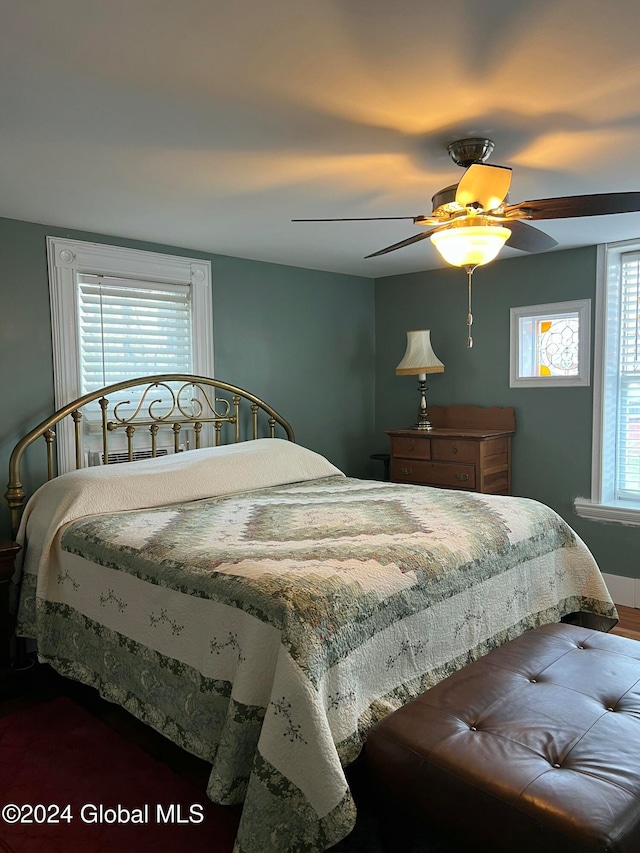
point(462, 477)
point(454, 447)
point(406, 471)
point(411, 447)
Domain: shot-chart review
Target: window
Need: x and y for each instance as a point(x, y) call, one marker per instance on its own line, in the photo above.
point(122, 313)
point(615, 487)
point(550, 345)
point(131, 330)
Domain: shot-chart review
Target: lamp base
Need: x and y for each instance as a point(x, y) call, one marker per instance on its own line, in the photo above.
point(423, 416)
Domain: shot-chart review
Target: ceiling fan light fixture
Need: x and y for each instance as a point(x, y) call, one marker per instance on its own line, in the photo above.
point(470, 245)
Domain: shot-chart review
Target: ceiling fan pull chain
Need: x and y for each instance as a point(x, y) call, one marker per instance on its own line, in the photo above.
point(469, 315)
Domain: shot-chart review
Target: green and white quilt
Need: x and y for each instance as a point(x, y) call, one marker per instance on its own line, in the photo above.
point(266, 630)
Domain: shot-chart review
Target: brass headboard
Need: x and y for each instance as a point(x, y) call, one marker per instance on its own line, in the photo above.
point(171, 402)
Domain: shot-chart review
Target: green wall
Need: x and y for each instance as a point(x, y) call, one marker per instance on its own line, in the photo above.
point(300, 339)
point(552, 444)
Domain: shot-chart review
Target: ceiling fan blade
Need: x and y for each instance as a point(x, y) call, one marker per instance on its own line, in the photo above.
point(527, 238)
point(483, 185)
point(415, 239)
point(358, 219)
point(601, 204)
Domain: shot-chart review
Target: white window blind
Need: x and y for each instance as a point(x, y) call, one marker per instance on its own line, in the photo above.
point(132, 328)
point(627, 455)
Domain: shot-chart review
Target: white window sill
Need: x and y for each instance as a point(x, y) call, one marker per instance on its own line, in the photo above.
point(620, 513)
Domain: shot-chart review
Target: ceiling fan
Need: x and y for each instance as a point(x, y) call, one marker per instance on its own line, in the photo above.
point(472, 220)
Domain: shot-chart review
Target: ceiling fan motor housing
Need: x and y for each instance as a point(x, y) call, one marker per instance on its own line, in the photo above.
point(443, 197)
point(465, 152)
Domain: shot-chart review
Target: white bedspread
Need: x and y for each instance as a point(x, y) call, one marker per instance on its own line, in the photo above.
point(208, 472)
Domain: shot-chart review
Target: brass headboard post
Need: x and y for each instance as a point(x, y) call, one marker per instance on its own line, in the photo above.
point(77, 420)
point(50, 437)
point(192, 405)
point(176, 437)
point(14, 497)
point(236, 421)
point(197, 428)
point(105, 432)
point(153, 430)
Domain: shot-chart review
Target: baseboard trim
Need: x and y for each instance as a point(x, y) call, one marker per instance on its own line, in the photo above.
point(623, 590)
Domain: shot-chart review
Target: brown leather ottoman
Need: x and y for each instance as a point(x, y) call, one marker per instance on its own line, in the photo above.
point(534, 747)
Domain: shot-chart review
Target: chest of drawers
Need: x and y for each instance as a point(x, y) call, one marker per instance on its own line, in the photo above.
point(473, 458)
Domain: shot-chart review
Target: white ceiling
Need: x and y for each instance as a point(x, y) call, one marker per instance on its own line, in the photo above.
point(210, 124)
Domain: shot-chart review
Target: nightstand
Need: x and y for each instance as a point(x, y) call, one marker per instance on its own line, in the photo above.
point(8, 551)
point(468, 448)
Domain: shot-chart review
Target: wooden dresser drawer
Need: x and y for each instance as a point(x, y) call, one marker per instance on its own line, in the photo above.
point(426, 473)
point(453, 450)
point(411, 448)
point(468, 448)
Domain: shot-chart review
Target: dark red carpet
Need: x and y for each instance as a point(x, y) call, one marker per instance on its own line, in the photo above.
point(57, 754)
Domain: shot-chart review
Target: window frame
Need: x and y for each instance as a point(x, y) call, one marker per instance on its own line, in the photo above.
point(601, 507)
point(581, 307)
point(66, 259)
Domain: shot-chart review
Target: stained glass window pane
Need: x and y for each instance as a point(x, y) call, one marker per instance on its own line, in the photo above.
point(558, 350)
point(549, 346)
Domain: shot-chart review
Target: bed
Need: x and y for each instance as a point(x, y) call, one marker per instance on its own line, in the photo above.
point(261, 609)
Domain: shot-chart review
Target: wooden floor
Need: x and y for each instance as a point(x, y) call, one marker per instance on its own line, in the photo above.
point(629, 624)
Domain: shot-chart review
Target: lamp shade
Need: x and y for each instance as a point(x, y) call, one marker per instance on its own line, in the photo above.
point(419, 356)
point(471, 245)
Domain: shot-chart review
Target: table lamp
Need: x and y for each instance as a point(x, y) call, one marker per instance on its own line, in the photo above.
point(420, 359)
